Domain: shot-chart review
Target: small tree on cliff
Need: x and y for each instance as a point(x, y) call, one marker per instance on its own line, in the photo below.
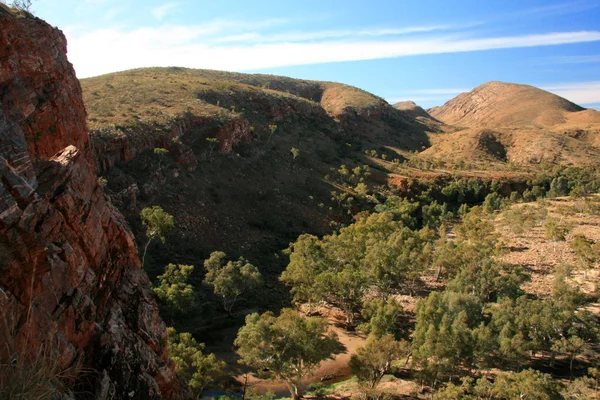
point(158, 223)
point(287, 347)
point(24, 5)
point(162, 154)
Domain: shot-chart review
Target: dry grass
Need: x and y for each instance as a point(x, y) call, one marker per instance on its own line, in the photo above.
point(32, 370)
point(156, 95)
point(539, 255)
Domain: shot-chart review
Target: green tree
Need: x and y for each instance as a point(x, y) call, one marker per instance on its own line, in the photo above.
point(197, 369)
point(158, 224)
point(213, 144)
point(559, 187)
point(488, 279)
point(307, 261)
point(272, 129)
point(555, 231)
point(527, 384)
point(584, 388)
point(161, 153)
point(571, 346)
point(492, 202)
point(174, 291)
point(381, 317)
point(374, 360)
point(586, 250)
point(295, 152)
point(445, 336)
point(287, 347)
point(344, 289)
point(396, 261)
point(232, 279)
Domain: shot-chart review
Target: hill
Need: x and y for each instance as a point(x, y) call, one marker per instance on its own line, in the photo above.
point(230, 178)
point(500, 122)
point(495, 104)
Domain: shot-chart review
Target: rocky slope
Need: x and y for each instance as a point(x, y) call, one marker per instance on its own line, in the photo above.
point(496, 104)
point(70, 276)
point(500, 121)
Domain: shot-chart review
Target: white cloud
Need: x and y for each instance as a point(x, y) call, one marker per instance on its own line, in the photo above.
point(161, 11)
point(578, 92)
point(256, 37)
point(115, 49)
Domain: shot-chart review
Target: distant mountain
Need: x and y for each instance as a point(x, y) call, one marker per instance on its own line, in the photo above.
point(500, 121)
point(496, 104)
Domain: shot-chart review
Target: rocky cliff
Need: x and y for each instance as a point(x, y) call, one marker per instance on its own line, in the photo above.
point(70, 275)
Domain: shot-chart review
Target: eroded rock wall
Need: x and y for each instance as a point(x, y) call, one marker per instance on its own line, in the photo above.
point(70, 275)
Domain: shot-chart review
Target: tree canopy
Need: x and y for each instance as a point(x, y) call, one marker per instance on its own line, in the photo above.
point(287, 347)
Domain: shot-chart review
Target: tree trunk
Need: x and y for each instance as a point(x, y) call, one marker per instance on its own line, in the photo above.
point(295, 390)
point(145, 250)
point(571, 367)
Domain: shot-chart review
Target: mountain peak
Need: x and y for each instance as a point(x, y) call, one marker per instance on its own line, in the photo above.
point(498, 103)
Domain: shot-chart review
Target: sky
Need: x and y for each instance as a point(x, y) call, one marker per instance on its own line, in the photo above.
point(425, 51)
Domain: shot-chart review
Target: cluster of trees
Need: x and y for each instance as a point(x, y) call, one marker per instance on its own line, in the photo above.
point(481, 319)
point(377, 251)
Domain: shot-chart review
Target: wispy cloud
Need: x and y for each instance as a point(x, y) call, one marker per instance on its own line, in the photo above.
point(114, 49)
point(161, 11)
point(112, 13)
point(297, 36)
point(552, 10)
point(582, 93)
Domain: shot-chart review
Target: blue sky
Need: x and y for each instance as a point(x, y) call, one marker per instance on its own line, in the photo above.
point(425, 51)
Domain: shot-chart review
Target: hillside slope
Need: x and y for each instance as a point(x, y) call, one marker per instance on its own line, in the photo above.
point(256, 120)
point(496, 104)
point(501, 122)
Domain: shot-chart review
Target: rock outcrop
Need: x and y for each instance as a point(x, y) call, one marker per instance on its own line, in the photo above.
point(70, 275)
point(110, 148)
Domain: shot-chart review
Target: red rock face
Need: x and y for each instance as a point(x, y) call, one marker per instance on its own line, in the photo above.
point(70, 274)
point(110, 148)
point(40, 90)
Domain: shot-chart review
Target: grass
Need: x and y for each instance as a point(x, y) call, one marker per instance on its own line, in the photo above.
point(156, 95)
point(32, 370)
